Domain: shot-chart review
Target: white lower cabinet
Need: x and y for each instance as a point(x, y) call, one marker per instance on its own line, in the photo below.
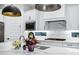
point(71, 45)
point(60, 44)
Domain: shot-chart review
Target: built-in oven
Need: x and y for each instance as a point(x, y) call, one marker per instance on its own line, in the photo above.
point(30, 26)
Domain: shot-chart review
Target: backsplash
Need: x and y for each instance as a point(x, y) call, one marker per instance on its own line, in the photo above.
point(56, 34)
point(75, 34)
point(40, 34)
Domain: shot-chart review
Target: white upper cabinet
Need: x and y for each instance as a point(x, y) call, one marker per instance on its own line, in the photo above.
point(12, 27)
point(29, 16)
point(72, 17)
point(55, 14)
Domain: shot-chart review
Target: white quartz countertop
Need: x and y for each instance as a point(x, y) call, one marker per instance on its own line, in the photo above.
point(6, 49)
point(61, 50)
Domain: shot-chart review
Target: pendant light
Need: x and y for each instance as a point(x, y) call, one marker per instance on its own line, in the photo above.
point(47, 7)
point(11, 11)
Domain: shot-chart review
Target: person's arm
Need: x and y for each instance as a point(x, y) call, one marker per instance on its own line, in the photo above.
point(35, 41)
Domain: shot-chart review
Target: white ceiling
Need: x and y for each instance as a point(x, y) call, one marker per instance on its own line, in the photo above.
point(1, 6)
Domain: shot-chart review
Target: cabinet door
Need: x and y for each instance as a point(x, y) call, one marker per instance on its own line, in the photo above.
point(12, 27)
point(30, 16)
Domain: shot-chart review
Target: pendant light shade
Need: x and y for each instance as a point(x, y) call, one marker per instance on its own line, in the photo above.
point(47, 7)
point(11, 11)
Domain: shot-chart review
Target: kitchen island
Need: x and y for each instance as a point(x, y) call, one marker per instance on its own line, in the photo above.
point(40, 49)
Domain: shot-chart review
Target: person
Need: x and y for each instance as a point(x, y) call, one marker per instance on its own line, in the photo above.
point(30, 42)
